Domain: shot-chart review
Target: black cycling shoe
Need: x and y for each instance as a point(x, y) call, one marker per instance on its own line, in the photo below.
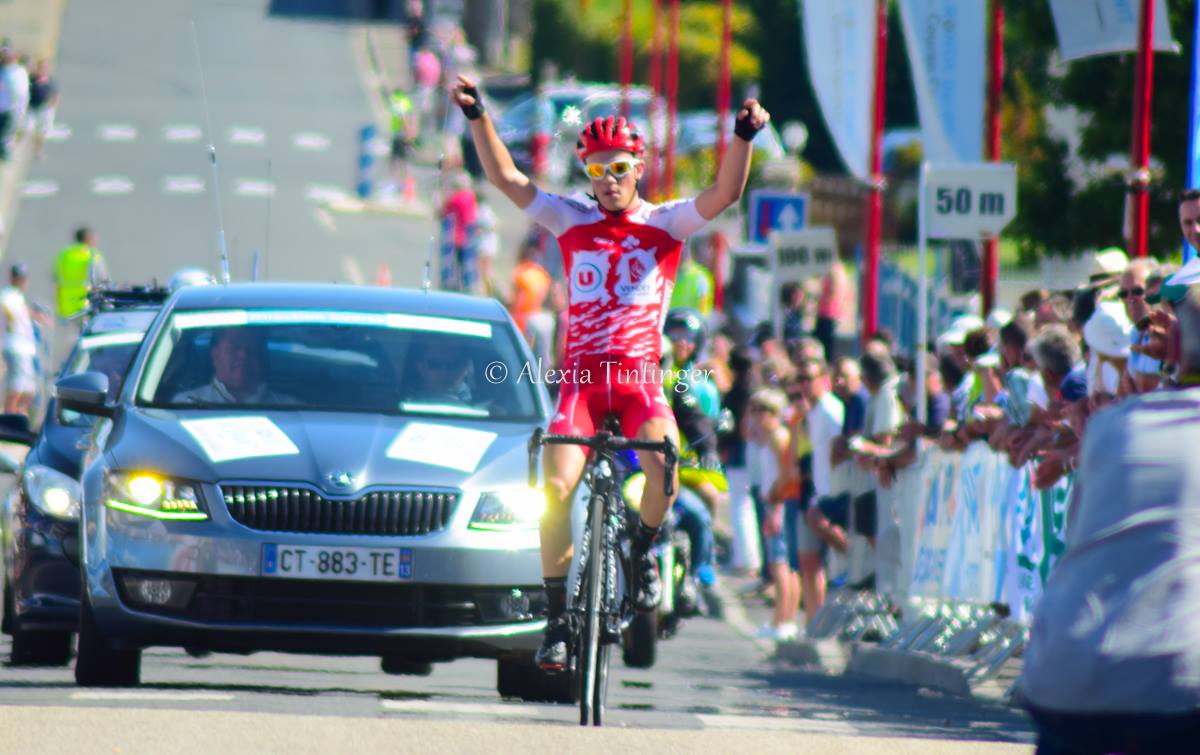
point(647, 587)
point(553, 654)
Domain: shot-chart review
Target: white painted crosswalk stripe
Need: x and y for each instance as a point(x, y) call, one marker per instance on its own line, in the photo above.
point(183, 185)
point(39, 189)
point(247, 136)
point(58, 133)
point(118, 132)
point(252, 187)
point(324, 193)
point(310, 141)
point(151, 696)
point(111, 185)
point(182, 134)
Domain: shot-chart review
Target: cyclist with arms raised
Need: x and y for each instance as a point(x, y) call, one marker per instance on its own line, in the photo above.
point(620, 255)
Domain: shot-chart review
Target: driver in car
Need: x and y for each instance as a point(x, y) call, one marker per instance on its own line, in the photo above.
point(441, 372)
point(239, 362)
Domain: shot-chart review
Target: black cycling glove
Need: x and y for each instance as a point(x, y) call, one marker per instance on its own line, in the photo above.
point(475, 110)
point(745, 129)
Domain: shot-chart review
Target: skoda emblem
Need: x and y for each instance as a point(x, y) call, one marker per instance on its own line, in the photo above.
point(340, 480)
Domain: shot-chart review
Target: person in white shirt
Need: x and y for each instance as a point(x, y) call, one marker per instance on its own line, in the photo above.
point(823, 424)
point(20, 344)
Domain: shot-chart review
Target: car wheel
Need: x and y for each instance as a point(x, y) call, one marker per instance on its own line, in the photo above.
point(641, 641)
point(519, 678)
point(40, 648)
point(98, 663)
point(9, 608)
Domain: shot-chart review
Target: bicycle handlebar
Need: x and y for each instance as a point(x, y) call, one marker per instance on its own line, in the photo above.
point(605, 441)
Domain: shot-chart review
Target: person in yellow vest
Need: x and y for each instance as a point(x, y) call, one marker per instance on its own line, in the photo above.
point(404, 127)
point(74, 270)
point(694, 285)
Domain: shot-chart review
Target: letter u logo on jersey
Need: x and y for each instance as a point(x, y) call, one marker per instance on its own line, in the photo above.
point(589, 274)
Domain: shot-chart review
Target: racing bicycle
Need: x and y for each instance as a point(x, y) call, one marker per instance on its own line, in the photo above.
point(597, 610)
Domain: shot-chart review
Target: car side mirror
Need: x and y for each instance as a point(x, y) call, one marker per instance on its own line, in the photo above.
point(14, 428)
point(86, 393)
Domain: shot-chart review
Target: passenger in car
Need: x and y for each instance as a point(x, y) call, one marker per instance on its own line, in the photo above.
point(239, 361)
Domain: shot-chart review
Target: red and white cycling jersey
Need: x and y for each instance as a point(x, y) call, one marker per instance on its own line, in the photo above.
point(620, 271)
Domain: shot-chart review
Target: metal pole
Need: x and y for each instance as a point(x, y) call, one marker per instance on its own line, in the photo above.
point(626, 72)
point(1193, 124)
point(870, 306)
point(922, 292)
point(672, 93)
point(991, 247)
point(1139, 179)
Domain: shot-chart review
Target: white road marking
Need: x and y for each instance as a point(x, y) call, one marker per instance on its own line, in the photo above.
point(499, 710)
point(310, 141)
point(183, 185)
point(118, 132)
point(252, 187)
point(39, 189)
point(183, 133)
point(58, 133)
point(352, 271)
point(776, 723)
point(324, 193)
point(247, 136)
point(150, 695)
point(325, 219)
point(111, 185)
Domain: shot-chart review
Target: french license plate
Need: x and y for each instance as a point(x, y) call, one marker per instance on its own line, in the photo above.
point(315, 562)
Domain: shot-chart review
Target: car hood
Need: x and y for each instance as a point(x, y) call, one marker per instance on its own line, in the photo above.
point(340, 453)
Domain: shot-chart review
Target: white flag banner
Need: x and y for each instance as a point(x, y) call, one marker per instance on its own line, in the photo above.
point(1101, 27)
point(839, 37)
point(947, 52)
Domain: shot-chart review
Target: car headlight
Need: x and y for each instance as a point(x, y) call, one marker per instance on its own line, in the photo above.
point(150, 495)
point(517, 508)
point(52, 492)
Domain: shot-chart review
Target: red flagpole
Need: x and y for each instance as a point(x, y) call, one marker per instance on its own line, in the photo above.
point(626, 72)
point(672, 92)
point(991, 248)
point(1143, 95)
point(652, 179)
point(723, 100)
point(870, 303)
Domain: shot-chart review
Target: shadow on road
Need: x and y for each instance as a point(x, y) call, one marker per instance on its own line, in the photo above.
point(903, 710)
point(350, 11)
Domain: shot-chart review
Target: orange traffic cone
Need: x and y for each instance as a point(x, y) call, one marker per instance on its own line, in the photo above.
point(383, 275)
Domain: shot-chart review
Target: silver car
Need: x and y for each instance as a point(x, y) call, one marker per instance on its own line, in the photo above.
point(317, 469)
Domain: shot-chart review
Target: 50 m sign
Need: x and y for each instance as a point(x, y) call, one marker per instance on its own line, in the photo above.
point(970, 200)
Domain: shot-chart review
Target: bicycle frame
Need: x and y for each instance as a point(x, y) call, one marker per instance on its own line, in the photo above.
point(593, 600)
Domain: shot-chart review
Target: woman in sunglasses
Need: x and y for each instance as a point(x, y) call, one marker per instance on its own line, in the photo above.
point(620, 255)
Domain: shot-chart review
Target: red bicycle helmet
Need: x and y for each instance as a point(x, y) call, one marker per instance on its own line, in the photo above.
point(609, 133)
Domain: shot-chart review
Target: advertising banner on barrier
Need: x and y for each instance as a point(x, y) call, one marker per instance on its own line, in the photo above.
point(934, 526)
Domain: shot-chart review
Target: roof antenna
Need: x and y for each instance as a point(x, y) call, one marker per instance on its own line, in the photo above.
point(212, 158)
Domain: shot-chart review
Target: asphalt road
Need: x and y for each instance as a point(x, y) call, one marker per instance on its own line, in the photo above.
point(710, 680)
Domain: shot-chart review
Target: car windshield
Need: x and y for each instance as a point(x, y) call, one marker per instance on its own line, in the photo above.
point(338, 361)
point(109, 353)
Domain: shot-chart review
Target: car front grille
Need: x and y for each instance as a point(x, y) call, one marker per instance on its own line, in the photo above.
point(278, 508)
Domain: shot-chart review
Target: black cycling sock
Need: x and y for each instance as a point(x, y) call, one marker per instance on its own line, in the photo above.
point(556, 596)
point(643, 536)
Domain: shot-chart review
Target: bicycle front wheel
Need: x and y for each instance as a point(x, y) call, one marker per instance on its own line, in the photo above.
point(590, 650)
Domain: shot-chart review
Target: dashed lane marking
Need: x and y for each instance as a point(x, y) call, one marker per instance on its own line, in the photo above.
point(252, 137)
point(776, 723)
point(150, 696)
point(183, 185)
point(118, 132)
point(252, 187)
point(324, 193)
point(310, 141)
point(111, 185)
point(39, 189)
point(498, 710)
point(182, 134)
point(58, 133)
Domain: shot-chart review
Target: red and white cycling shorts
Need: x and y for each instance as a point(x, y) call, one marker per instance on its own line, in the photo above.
point(595, 387)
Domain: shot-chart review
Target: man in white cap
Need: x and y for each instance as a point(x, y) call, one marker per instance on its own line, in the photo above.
point(1108, 335)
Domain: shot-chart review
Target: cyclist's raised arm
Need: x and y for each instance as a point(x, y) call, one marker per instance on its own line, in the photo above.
point(735, 168)
point(497, 162)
